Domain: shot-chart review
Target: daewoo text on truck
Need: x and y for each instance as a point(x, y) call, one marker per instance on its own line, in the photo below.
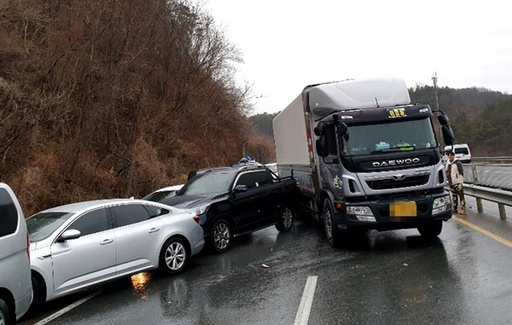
point(364, 157)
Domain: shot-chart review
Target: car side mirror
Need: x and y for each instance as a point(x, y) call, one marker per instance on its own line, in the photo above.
point(69, 234)
point(240, 188)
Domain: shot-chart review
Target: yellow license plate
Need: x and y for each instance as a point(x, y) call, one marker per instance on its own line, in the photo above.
point(403, 209)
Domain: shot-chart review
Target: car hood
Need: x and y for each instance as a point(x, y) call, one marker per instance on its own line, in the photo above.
point(192, 201)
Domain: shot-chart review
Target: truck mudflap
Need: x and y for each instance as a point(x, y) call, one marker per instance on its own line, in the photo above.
point(394, 213)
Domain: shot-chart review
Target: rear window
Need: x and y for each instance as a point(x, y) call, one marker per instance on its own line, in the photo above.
point(255, 179)
point(462, 151)
point(8, 214)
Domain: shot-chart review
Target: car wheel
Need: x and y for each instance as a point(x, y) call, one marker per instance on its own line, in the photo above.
point(5, 316)
point(331, 233)
point(38, 296)
point(173, 256)
point(431, 229)
point(286, 219)
point(221, 235)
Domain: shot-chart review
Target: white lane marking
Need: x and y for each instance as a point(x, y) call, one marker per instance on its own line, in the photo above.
point(305, 303)
point(66, 309)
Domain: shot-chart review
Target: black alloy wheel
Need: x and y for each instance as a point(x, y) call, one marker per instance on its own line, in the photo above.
point(286, 219)
point(221, 235)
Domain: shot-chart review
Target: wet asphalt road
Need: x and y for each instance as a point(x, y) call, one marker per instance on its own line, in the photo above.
point(392, 277)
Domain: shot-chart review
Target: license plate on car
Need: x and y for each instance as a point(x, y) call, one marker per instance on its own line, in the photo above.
point(403, 209)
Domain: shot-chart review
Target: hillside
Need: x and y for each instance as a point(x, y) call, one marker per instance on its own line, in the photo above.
point(104, 99)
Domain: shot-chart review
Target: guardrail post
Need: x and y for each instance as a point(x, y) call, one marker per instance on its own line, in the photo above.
point(501, 208)
point(475, 175)
point(479, 206)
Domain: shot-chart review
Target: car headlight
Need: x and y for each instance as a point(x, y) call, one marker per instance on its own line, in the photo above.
point(441, 204)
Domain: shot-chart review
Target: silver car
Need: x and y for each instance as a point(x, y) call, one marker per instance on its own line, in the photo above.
point(79, 245)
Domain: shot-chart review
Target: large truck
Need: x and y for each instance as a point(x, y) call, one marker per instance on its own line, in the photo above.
point(364, 157)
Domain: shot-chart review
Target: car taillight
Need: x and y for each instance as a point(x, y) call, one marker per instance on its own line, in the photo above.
point(196, 219)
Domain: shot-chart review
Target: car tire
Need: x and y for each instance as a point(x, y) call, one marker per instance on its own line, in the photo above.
point(5, 316)
point(286, 219)
point(38, 296)
point(173, 256)
point(331, 233)
point(431, 229)
point(221, 235)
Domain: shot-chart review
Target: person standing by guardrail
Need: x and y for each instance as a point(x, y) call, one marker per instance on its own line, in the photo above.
point(455, 175)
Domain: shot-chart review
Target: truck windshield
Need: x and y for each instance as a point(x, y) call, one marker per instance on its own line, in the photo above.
point(403, 135)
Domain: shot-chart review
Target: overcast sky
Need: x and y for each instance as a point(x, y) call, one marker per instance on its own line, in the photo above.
point(289, 44)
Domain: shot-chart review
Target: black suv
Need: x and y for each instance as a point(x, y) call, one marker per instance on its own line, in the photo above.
point(236, 200)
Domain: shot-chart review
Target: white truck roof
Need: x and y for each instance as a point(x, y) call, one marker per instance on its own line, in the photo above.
point(357, 94)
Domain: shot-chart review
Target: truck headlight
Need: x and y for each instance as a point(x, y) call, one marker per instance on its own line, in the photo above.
point(441, 204)
point(362, 213)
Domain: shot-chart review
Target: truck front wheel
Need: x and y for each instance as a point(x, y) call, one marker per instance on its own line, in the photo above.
point(431, 229)
point(332, 234)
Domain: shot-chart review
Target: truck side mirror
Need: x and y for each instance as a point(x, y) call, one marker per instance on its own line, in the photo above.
point(342, 130)
point(321, 147)
point(319, 130)
point(443, 119)
point(448, 136)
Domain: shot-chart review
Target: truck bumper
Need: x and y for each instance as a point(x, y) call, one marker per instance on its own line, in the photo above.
point(382, 218)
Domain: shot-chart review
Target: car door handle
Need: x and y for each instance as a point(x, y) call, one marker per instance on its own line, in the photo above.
point(107, 241)
point(152, 230)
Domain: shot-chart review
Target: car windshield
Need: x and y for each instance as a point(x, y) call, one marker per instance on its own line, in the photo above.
point(209, 183)
point(43, 224)
point(388, 137)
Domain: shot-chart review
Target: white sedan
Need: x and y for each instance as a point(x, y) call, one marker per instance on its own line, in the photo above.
point(164, 192)
point(79, 245)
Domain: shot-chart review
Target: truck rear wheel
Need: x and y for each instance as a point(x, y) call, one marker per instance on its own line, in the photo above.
point(332, 234)
point(431, 229)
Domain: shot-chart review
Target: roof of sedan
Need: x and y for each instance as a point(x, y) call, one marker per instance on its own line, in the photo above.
point(79, 206)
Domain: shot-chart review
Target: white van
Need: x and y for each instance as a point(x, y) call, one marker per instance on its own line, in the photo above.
point(462, 152)
point(15, 278)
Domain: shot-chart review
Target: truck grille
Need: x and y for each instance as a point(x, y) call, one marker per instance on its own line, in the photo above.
point(389, 183)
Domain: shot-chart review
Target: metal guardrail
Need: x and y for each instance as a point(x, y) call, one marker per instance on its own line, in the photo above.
point(489, 178)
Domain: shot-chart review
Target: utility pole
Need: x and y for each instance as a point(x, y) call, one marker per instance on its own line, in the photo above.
point(434, 78)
